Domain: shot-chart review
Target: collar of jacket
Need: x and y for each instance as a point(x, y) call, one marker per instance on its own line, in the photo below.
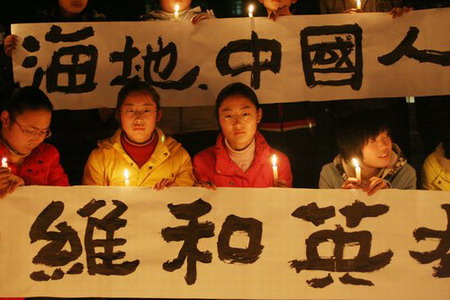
point(160, 154)
point(224, 164)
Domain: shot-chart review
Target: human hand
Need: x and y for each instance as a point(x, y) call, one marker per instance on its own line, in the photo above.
point(164, 183)
point(5, 175)
point(281, 11)
point(206, 184)
point(375, 184)
point(10, 44)
point(14, 182)
point(199, 17)
point(397, 12)
point(280, 183)
point(352, 183)
point(353, 11)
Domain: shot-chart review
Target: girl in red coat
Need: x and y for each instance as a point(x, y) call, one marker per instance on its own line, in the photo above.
point(241, 156)
point(26, 160)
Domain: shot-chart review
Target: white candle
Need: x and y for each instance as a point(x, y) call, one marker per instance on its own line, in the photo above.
point(251, 8)
point(274, 167)
point(357, 168)
point(4, 162)
point(358, 4)
point(176, 11)
point(126, 174)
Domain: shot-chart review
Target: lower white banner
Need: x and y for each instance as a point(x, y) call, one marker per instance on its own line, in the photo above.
point(230, 243)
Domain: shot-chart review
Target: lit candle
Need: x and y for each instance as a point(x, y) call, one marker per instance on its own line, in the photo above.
point(358, 4)
point(251, 8)
point(126, 174)
point(176, 11)
point(274, 167)
point(357, 168)
point(4, 162)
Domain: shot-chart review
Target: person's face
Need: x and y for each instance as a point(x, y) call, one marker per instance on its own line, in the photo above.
point(169, 5)
point(377, 152)
point(274, 5)
point(238, 118)
point(138, 116)
point(26, 131)
point(71, 8)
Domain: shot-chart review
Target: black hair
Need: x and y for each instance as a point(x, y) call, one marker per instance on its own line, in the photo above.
point(24, 99)
point(354, 131)
point(137, 86)
point(446, 146)
point(234, 89)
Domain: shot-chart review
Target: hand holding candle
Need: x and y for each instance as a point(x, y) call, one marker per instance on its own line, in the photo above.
point(274, 168)
point(126, 175)
point(357, 168)
point(251, 9)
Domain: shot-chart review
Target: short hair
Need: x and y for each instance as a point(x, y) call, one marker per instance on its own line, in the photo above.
point(135, 87)
point(235, 89)
point(24, 99)
point(354, 131)
point(446, 146)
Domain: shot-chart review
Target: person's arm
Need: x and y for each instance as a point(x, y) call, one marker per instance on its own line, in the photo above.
point(94, 171)
point(430, 171)
point(405, 179)
point(56, 176)
point(185, 175)
point(285, 173)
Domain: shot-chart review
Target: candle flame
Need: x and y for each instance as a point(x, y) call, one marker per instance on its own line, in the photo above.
point(126, 174)
point(274, 160)
point(177, 7)
point(355, 162)
point(4, 161)
point(251, 8)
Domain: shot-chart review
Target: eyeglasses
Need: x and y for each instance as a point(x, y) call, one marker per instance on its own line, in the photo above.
point(131, 113)
point(246, 116)
point(34, 133)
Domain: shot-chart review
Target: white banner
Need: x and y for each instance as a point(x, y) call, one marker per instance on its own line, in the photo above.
point(231, 243)
point(297, 58)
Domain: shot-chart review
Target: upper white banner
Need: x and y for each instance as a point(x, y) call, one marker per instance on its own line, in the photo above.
point(231, 243)
point(296, 58)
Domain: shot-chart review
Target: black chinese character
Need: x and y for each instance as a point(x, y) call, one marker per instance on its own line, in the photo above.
point(109, 223)
point(248, 255)
point(254, 46)
point(362, 262)
point(186, 81)
point(332, 57)
point(52, 254)
point(190, 234)
point(441, 252)
point(406, 48)
point(127, 56)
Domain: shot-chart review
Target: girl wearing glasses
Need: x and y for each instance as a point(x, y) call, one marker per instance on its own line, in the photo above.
point(139, 154)
point(241, 156)
point(27, 160)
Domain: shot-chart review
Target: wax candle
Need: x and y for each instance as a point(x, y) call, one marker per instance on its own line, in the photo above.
point(176, 12)
point(126, 175)
point(4, 162)
point(251, 9)
point(274, 167)
point(357, 168)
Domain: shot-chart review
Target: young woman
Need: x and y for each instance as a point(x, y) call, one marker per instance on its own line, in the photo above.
point(241, 156)
point(150, 158)
point(436, 168)
point(27, 160)
point(365, 137)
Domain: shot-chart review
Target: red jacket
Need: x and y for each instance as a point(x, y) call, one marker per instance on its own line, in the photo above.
point(41, 167)
point(213, 164)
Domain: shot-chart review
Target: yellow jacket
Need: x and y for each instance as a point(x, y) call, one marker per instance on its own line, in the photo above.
point(436, 171)
point(107, 163)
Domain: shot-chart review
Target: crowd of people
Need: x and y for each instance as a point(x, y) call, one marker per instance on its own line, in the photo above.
point(146, 146)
